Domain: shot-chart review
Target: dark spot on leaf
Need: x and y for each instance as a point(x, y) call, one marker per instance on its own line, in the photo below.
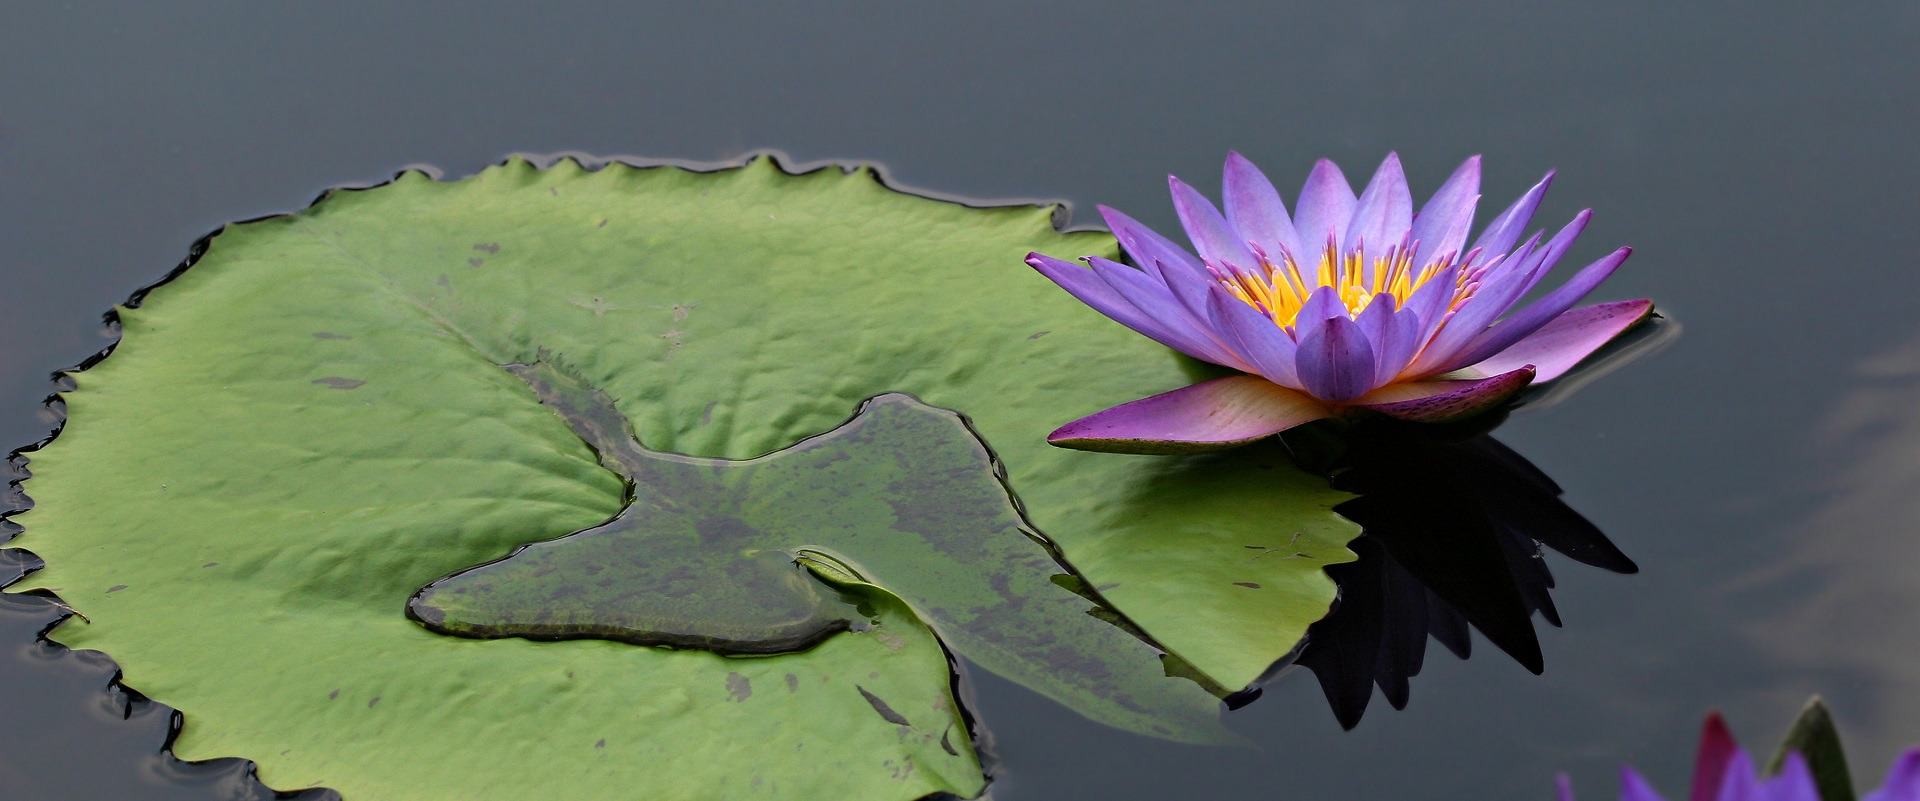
point(329, 335)
point(376, 699)
point(476, 261)
point(601, 744)
point(443, 280)
point(945, 744)
point(1105, 587)
point(603, 224)
point(116, 588)
point(338, 382)
point(1039, 335)
point(886, 712)
point(1247, 584)
point(492, 248)
point(793, 683)
point(210, 564)
point(553, 191)
point(333, 695)
point(706, 416)
point(738, 687)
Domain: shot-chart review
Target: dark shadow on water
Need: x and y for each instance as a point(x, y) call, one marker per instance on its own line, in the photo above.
point(1454, 526)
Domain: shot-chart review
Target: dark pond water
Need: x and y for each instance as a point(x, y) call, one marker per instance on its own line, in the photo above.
point(1763, 472)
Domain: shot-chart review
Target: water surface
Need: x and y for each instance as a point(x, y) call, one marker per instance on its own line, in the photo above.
point(1759, 159)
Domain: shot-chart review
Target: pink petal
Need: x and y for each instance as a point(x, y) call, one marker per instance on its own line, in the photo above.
point(1574, 335)
point(1444, 401)
point(1716, 750)
point(1210, 415)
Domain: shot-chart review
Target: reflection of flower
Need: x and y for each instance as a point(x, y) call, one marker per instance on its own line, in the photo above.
point(1724, 772)
point(1350, 303)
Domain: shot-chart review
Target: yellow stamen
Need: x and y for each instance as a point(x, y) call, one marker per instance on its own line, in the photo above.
point(1279, 290)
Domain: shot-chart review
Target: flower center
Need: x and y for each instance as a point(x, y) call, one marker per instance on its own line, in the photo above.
point(1279, 289)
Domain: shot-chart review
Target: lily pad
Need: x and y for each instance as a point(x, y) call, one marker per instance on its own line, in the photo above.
point(313, 422)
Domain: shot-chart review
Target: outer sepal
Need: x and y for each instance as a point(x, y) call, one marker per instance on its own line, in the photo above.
point(1208, 416)
point(1445, 400)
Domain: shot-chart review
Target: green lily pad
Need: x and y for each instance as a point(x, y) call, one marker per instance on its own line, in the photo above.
point(312, 423)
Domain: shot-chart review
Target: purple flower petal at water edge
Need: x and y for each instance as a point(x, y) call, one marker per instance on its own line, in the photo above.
point(1210, 415)
point(1445, 401)
point(1903, 780)
point(1559, 345)
point(1357, 302)
point(1724, 772)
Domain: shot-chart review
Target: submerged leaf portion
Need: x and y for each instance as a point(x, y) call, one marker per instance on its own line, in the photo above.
point(312, 423)
point(902, 496)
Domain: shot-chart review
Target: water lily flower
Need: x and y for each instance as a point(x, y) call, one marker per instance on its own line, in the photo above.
point(1350, 304)
point(1724, 772)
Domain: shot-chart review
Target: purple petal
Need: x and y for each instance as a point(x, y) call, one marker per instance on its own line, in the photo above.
point(1254, 208)
point(1446, 400)
point(1560, 244)
point(1506, 228)
point(1375, 323)
point(1209, 231)
point(1334, 360)
point(1402, 343)
point(1088, 288)
point(1562, 787)
point(1634, 787)
point(1538, 313)
point(1210, 415)
point(1323, 303)
point(1430, 301)
point(1795, 782)
point(1717, 748)
point(1559, 345)
point(1157, 302)
point(1326, 206)
point(1259, 340)
point(1384, 212)
point(1148, 247)
point(1190, 290)
point(1442, 224)
point(1739, 782)
point(1903, 780)
point(1470, 319)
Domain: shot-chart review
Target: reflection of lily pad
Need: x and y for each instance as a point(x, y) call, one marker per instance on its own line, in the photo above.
point(312, 423)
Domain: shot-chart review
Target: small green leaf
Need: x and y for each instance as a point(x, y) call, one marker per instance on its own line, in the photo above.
point(1814, 736)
